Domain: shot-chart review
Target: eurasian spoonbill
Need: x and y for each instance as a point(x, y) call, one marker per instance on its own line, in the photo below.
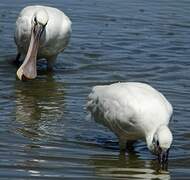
point(134, 111)
point(41, 32)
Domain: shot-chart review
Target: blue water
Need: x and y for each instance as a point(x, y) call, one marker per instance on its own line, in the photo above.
point(45, 132)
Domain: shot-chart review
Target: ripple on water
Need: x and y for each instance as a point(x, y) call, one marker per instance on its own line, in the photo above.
point(44, 130)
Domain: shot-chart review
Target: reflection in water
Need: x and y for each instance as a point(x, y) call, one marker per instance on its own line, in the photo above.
point(147, 43)
point(128, 166)
point(39, 104)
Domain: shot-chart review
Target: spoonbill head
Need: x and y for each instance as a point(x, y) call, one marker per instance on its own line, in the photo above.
point(41, 32)
point(41, 17)
point(134, 111)
point(161, 143)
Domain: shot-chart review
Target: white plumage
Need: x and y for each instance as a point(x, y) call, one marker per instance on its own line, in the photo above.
point(41, 32)
point(134, 111)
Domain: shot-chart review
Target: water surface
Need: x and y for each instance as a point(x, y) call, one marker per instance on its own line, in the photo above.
point(45, 132)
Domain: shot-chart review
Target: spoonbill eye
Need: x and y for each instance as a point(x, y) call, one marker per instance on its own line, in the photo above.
point(157, 143)
point(35, 20)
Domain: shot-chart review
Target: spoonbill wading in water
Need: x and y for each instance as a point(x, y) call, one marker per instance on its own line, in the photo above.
point(134, 111)
point(41, 32)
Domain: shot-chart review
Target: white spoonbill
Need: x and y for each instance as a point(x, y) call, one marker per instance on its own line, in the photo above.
point(134, 111)
point(41, 32)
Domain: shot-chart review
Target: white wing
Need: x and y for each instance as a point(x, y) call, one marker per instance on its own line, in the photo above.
point(57, 31)
point(129, 108)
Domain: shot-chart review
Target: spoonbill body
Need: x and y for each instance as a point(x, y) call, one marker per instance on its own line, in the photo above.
point(41, 32)
point(134, 111)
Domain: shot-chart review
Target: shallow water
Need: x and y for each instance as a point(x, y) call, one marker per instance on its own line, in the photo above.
point(45, 132)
